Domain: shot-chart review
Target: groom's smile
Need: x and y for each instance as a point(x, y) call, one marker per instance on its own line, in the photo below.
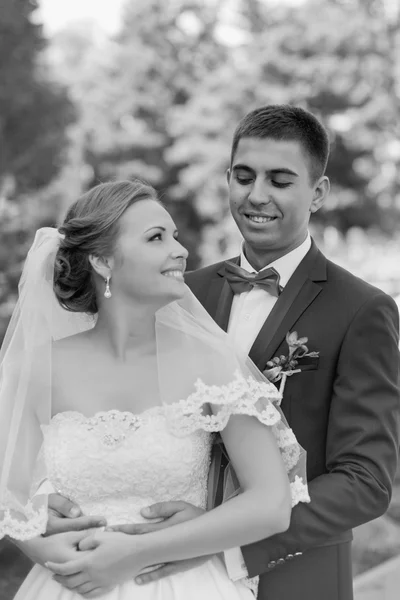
point(259, 219)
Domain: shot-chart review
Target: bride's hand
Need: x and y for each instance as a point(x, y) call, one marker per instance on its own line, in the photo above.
point(59, 548)
point(107, 559)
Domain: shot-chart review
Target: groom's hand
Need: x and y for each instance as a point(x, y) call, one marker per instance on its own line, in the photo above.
point(171, 569)
point(172, 513)
point(64, 516)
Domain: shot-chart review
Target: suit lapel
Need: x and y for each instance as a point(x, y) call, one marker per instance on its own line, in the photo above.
point(219, 298)
point(298, 294)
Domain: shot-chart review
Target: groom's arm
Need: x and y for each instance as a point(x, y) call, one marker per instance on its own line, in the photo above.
point(362, 441)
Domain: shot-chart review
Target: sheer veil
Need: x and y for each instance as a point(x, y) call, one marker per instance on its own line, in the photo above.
point(202, 381)
point(25, 388)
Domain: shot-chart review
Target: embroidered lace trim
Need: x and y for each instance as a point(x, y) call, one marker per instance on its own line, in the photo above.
point(28, 522)
point(299, 491)
point(251, 583)
point(240, 397)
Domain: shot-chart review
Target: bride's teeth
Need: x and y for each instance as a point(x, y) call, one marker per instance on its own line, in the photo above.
point(177, 274)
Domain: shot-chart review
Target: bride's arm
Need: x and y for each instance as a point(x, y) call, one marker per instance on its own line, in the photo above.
point(261, 510)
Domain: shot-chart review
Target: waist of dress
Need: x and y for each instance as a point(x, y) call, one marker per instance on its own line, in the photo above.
point(118, 511)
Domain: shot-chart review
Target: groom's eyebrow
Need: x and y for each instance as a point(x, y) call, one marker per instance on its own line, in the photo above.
point(284, 170)
point(280, 170)
point(242, 168)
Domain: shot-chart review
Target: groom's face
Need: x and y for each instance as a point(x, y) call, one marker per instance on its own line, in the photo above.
point(271, 194)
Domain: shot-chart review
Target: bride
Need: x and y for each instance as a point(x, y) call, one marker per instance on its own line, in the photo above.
point(113, 380)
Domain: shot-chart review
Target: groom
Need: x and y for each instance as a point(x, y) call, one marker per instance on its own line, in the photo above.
point(343, 404)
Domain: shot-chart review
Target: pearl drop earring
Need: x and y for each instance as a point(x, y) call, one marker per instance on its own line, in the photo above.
point(107, 293)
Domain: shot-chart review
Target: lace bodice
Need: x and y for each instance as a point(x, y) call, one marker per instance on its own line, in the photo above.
point(116, 463)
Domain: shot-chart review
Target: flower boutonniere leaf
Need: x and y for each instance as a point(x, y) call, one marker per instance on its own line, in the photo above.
point(281, 367)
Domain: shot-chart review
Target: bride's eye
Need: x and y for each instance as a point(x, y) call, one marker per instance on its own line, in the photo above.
point(156, 236)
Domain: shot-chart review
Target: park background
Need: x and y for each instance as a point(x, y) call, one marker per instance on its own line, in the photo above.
point(95, 91)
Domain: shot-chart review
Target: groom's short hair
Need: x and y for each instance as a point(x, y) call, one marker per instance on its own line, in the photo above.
point(282, 122)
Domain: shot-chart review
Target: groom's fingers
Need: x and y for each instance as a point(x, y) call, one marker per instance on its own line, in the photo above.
point(74, 567)
point(96, 592)
point(172, 512)
point(170, 569)
point(88, 543)
point(163, 510)
point(72, 582)
point(160, 573)
point(129, 529)
point(62, 525)
point(139, 528)
point(64, 507)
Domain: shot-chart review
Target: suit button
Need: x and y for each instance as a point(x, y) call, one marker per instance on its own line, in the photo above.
point(272, 564)
point(280, 561)
point(298, 554)
point(289, 557)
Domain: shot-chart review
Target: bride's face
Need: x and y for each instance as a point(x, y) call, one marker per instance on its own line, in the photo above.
point(149, 262)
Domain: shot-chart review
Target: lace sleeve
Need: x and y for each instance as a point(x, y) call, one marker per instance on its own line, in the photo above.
point(22, 522)
point(210, 407)
point(25, 520)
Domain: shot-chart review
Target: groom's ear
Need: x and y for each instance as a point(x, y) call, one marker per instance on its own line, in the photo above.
point(228, 176)
point(321, 191)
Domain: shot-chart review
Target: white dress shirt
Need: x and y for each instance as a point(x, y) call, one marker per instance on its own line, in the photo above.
point(250, 309)
point(248, 314)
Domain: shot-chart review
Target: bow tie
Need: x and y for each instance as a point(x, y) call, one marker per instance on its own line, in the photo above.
point(241, 280)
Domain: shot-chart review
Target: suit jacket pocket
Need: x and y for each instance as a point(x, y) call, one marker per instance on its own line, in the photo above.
point(308, 363)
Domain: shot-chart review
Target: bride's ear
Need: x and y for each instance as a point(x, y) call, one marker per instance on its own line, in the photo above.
point(102, 266)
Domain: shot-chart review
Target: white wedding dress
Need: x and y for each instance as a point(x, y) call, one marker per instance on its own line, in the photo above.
point(114, 464)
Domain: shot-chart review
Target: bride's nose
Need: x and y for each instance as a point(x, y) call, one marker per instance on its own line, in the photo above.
point(179, 251)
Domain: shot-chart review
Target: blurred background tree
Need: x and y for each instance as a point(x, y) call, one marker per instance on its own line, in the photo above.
point(161, 100)
point(337, 60)
point(34, 113)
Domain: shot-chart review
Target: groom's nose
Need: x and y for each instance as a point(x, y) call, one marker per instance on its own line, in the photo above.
point(260, 192)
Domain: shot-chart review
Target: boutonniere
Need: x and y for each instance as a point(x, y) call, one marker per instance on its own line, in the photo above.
point(282, 367)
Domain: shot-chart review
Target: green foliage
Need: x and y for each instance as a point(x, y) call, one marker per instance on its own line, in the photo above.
point(33, 109)
point(163, 98)
point(34, 113)
point(336, 59)
point(130, 98)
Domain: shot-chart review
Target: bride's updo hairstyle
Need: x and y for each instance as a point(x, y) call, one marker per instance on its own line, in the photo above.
point(91, 226)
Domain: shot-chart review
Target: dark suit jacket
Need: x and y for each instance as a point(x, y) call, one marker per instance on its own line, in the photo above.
point(344, 410)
